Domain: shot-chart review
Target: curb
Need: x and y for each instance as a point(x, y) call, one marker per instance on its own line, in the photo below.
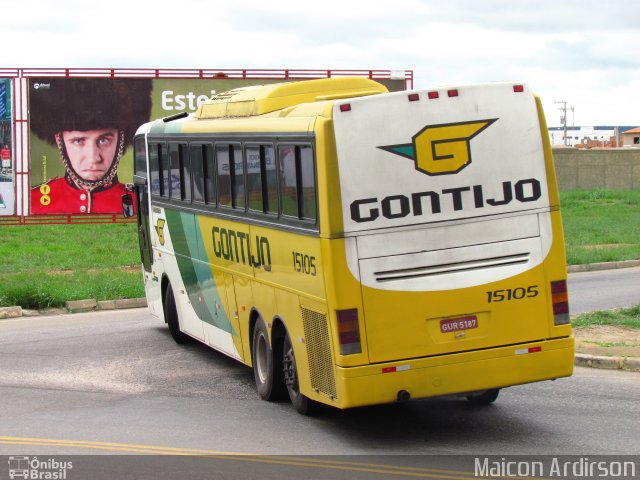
point(631, 364)
point(76, 306)
point(594, 267)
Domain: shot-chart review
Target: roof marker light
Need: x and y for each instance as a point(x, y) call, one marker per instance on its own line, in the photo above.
point(345, 107)
point(414, 97)
point(518, 88)
point(433, 95)
point(452, 93)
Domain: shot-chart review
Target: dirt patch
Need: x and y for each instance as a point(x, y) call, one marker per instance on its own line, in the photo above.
point(608, 340)
point(128, 269)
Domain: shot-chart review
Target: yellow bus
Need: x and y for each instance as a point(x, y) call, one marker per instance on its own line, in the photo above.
point(359, 247)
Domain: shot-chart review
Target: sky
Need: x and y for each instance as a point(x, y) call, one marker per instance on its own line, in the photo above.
point(583, 52)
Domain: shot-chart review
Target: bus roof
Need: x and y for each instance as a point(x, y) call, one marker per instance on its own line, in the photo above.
point(262, 99)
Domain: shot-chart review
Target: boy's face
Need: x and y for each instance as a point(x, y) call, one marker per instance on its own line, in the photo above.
point(91, 152)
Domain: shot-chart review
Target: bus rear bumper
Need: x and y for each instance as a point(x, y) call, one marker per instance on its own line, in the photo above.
point(455, 373)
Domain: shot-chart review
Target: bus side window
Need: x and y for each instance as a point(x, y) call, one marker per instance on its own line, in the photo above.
point(174, 173)
point(154, 169)
point(230, 176)
point(209, 175)
point(288, 180)
point(269, 179)
point(140, 156)
point(254, 178)
point(185, 172)
point(197, 171)
point(224, 175)
point(308, 187)
point(296, 171)
point(164, 170)
point(238, 178)
point(262, 187)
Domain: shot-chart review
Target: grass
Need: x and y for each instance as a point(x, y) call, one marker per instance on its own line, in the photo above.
point(601, 225)
point(624, 317)
point(45, 265)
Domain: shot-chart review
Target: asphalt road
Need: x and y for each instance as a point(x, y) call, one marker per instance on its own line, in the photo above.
point(604, 290)
point(115, 382)
point(96, 385)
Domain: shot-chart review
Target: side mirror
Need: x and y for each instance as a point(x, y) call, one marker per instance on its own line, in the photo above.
point(127, 205)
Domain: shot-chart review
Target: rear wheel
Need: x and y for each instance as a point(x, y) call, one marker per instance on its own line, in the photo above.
point(267, 367)
point(302, 404)
point(483, 398)
point(171, 315)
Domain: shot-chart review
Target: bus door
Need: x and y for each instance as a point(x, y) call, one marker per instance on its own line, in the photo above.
point(233, 312)
point(144, 236)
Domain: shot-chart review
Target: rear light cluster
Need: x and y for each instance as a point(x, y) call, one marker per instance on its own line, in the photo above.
point(560, 300)
point(349, 331)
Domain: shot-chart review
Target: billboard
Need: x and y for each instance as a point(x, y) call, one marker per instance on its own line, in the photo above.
point(81, 133)
point(7, 173)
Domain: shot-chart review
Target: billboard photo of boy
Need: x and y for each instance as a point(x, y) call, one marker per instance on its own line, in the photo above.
point(91, 122)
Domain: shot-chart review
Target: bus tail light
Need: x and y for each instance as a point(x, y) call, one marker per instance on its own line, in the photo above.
point(349, 331)
point(560, 300)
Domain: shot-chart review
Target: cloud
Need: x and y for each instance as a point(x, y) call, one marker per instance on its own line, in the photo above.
point(578, 50)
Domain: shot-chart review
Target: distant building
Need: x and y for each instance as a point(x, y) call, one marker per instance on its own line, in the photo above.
point(631, 138)
point(588, 137)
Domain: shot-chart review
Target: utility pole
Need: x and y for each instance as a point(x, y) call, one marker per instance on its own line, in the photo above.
point(563, 118)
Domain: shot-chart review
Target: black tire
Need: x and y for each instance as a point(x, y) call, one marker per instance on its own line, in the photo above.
point(301, 403)
point(171, 316)
point(484, 398)
point(267, 367)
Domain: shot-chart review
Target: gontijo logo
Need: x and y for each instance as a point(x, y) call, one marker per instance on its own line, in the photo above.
point(441, 149)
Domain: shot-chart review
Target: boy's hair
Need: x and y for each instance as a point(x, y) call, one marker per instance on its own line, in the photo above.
point(65, 104)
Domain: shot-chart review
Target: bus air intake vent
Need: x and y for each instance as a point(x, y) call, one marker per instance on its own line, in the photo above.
point(448, 268)
point(316, 332)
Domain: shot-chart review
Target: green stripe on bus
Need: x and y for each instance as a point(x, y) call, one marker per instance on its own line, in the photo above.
point(195, 270)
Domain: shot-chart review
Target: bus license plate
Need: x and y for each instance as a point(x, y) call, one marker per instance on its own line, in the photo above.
point(456, 324)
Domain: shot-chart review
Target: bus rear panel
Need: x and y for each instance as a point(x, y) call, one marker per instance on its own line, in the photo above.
point(453, 233)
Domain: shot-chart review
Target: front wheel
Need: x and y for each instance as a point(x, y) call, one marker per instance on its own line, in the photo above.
point(301, 403)
point(483, 398)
